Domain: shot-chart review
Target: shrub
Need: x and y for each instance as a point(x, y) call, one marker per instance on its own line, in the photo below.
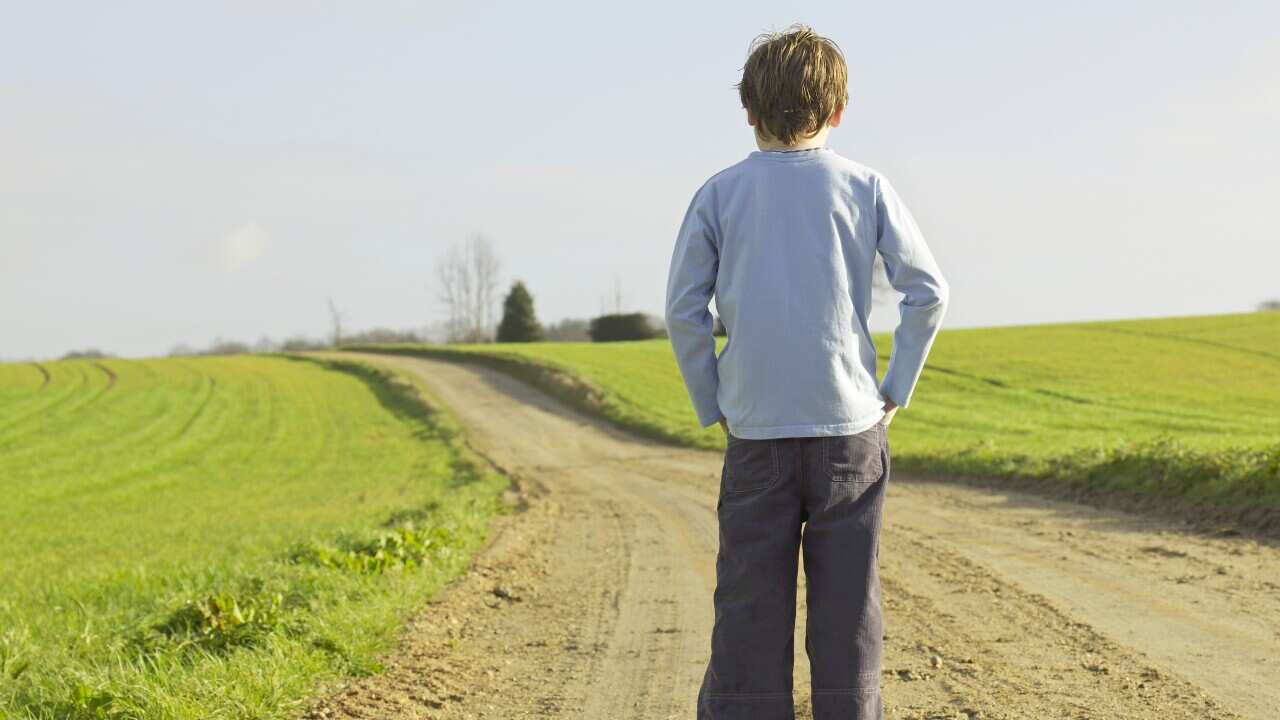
point(625, 326)
point(382, 336)
point(89, 354)
point(303, 344)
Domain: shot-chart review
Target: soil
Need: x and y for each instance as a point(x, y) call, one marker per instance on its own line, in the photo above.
point(594, 601)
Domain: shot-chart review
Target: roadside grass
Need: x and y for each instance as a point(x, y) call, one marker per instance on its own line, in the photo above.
point(1185, 408)
point(218, 537)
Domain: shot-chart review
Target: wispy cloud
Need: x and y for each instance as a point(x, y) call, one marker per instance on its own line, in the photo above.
point(241, 247)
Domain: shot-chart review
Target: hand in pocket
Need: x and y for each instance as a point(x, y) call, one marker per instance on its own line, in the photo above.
point(890, 410)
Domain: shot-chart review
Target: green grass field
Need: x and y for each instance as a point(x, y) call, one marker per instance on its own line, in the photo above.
point(217, 538)
point(1182, 407)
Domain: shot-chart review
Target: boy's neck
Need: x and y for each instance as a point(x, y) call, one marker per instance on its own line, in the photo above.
point(818, 139)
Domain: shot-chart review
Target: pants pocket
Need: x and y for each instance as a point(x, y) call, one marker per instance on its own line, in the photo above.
point(749, 465)
point(855, 458)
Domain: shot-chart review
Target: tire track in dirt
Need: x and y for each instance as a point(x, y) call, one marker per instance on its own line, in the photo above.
point(596, 601)
point(1207, 608)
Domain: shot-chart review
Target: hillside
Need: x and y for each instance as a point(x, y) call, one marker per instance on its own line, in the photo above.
point(1178, 407)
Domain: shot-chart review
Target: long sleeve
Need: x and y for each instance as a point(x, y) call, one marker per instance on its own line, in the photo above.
point(913, 272)
point(690, 286)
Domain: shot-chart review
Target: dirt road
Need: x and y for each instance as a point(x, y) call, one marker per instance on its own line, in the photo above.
point(596, 601)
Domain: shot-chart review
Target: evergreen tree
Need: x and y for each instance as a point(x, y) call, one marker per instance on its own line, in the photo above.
point(519, 324)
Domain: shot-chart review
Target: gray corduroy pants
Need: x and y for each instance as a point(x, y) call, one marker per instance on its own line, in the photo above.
point(820, 496)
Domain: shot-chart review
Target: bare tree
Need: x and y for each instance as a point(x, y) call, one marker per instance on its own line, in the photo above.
point(1269, 305)
point(612, 303)
point(335, 317)
point(486, 266)
point(454, 279)
point(436, 331)
point(226, 347)
point(617, 294)
point(569, 330)
point(468, 277)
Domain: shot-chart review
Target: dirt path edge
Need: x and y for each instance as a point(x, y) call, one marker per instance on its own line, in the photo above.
point(1203, 516)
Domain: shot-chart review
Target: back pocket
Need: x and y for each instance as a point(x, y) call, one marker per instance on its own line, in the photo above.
point(749, 465)
point(855, 458)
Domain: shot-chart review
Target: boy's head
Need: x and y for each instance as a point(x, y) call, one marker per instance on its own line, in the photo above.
point(793, 84)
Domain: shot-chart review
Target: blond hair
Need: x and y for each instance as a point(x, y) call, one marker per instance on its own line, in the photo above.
point(793, 82)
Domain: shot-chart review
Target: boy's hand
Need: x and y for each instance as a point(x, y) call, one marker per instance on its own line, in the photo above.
point(890, 409)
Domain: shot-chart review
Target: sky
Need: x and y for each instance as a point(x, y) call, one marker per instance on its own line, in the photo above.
point(173, 173)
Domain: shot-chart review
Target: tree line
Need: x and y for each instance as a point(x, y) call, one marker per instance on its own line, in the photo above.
point(468, 280)
point(468, 285)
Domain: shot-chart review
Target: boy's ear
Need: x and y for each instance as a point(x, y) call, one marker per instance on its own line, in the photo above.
point(754, 122)
point(836, 117)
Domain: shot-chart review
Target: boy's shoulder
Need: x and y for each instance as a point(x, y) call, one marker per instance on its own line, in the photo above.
point(851, 170)
point(855, 168)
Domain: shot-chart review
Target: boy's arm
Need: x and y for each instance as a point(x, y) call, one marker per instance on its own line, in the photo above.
point(913, 272)
point(691, 284)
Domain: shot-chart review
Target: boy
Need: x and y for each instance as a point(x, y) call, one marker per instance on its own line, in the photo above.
point(785, 241)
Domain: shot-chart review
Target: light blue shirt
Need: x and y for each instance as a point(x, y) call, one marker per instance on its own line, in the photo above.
point(785, 242)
